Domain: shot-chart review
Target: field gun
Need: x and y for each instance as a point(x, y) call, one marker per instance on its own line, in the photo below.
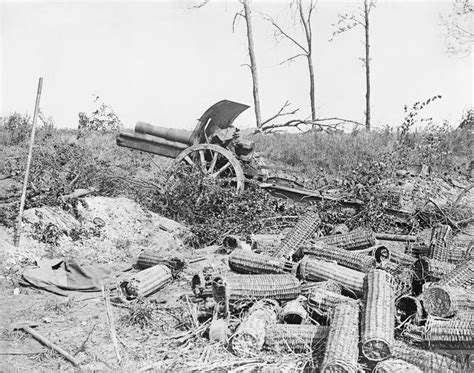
point(216, 147)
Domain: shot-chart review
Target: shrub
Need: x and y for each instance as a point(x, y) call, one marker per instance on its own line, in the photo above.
point(16, 129)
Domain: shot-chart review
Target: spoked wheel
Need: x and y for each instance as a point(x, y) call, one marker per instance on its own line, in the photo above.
point(215, 162)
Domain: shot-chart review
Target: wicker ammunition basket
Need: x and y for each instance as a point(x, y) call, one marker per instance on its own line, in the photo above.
point(418, 249)
point(425, 360)
point(323, 301)
point(235, 288)
point(359, 262)
point(378, 318)
point(250, 334)
point(146, 282)
point(460, 275)
point(294, 312)
point(318, 270)
point(266, 243)
point(402, 258)
point(355, 240)
point(445, 301)
point(304, 229)
point(441, 242)
point(402, 278)
point(452, 333)
point(251, 263)
point(342, 349)
point(147, 259)
point(329, 285)
point(408, 306)
point(431, 269)
point(294, 338)
point(396, 366)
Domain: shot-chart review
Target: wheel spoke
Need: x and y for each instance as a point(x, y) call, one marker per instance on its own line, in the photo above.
point(189, 160)
point(221, 170)
point(213, 162)
point(203, 160)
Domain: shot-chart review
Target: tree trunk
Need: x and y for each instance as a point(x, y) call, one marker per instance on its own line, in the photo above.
point(367, 66)
point(311, 87)
point(309, 36)
point(253, 62)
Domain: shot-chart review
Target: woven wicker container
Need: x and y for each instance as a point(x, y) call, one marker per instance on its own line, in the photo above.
point(355, 240)
point(402, 277)
point(402, 258)
point(445, 301)
point(294, 312)
point(396, 366)
point(453, 333)
point(342, 349)
point(323, 301)
point(378, 319)
point(234, 288)
point(147, 259)
point(460, 275)
point(266, 243)
point(146, 282)
point(408, 306)
point(431, 269)
point(418, 249)
point(359, 262)
point(251, 263)
point(250, 334)
point(329, 285)
point(425, 360)
point(294, 338)
point(441, 242)
point(318, 270)
point(304, 229)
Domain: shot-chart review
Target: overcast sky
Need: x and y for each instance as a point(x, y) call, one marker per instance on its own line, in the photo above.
point(165, 63)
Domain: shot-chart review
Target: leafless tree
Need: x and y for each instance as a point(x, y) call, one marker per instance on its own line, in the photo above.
point(304, 14)
point(458, 26)
point(246, 13)
point(347, 22)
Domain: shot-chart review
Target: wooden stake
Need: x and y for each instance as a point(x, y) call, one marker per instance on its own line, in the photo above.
point(110, 322)
point(16, 237)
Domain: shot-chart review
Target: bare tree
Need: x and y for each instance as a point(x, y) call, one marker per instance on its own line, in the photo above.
point(304, 14)
point(246, 14)
point(458, 26)
point(347, 22)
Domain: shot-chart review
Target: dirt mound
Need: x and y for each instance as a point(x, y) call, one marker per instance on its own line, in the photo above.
point(105, 230)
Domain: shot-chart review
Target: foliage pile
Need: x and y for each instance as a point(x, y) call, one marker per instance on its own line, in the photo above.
point(212, 211)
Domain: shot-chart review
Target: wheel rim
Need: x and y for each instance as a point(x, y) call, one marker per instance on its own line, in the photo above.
point(215, 162)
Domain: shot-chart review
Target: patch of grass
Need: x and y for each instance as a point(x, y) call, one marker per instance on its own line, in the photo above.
point(141, 313)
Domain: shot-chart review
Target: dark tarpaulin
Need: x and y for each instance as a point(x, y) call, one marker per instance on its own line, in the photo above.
point(62, 276)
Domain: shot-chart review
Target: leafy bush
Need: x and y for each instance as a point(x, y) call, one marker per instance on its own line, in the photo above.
point(16, 129)
point(212, 211)
point(103, 119)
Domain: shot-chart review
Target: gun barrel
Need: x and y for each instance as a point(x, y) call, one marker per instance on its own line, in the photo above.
point(171, 134)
